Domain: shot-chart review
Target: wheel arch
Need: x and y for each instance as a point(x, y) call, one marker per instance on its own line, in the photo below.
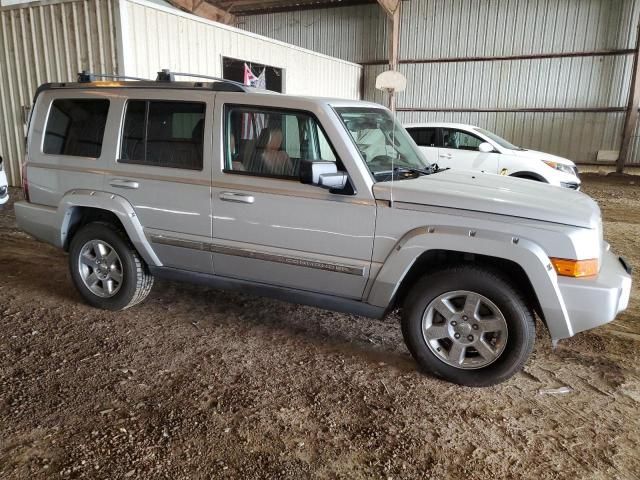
point(433, 260)
point(81, 207)
point(529, 176)
point(425, 249)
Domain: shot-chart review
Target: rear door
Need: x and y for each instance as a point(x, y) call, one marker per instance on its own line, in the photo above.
point(163, 168)
point(459, 150)
point(427, 139)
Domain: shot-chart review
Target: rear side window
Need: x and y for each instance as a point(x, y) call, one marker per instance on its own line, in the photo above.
point(76, 127)
point(424, 137)
point(163, 134)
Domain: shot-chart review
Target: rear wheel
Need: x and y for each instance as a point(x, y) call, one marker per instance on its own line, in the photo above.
point(467, 325)
point(106, 269)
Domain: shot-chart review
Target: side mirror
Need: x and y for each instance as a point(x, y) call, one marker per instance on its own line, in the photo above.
point(323, 174)
point(486, 147)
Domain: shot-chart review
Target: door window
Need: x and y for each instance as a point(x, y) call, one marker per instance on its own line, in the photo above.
point(163, 134)
point(460, 140)
point(424, 137)
point(76, 127)
point(267, 142)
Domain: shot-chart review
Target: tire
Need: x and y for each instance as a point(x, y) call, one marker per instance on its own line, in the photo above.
point(126, 273)
point(495, 342)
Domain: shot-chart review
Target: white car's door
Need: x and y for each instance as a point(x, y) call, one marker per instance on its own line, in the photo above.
point(270, 228)
point(459, 150)
point(427, 141)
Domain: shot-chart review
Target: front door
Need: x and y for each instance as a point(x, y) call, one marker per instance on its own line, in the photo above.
point(164, 170)
point(459, 150)
point(270, 228)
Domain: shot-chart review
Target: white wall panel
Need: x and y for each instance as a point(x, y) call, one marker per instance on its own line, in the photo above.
point(157, 37)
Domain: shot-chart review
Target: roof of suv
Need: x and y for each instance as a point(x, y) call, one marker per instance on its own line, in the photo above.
point(217, 86)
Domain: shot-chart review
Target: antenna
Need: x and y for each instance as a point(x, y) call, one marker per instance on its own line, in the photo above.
point(88, 77)
point(391, 82)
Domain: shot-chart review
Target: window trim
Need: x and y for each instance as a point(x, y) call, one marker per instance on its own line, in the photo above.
point(147, 101)
point(48, 118)
point(228, 107)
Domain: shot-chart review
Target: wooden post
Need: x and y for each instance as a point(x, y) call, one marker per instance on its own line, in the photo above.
point(392, 8)
point(631, 118)
point(205, 10)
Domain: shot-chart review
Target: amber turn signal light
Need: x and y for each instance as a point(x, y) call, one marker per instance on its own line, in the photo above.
point(575, 268)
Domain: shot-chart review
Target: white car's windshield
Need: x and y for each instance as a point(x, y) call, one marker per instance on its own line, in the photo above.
point(384, 144)
point(499, 140)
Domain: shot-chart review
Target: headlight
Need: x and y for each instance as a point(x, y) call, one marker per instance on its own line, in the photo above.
point(561, 167)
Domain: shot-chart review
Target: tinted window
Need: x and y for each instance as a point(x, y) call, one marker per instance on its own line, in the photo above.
point(424, 137)
point(163, 134)
point(76, 127)
point(460, 140)
point(273, 143)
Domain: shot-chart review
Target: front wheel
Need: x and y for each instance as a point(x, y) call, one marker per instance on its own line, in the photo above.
point(467, 325)
point(106, 269)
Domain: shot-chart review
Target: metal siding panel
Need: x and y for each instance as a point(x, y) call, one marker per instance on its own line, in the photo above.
point(200, 45)
point(354, 33)
point(49, 42)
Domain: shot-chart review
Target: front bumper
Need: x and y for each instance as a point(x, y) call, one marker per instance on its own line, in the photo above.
point(594, 301)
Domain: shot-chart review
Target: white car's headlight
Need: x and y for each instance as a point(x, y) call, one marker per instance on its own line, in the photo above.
point(561, 167)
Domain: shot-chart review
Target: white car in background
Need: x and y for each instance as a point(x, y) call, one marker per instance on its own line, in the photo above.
point(467, 147)
point(4, 189)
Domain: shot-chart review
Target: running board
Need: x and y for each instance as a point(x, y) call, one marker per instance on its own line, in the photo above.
point(291, 295)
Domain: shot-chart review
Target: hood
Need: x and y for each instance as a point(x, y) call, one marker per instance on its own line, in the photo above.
point(535, 155)
point(483, 192)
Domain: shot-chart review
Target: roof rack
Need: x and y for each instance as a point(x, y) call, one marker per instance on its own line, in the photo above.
point(166, 75)
point(88, 77)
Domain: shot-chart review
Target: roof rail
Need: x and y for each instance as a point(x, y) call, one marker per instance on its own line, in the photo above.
point(166, 75)
point(88, 77)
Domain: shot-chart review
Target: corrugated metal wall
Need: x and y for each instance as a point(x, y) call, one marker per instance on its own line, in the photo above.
point(468, 28)
point(456, 36)
point(355, 33)
point(156, 37)
point(41, 43)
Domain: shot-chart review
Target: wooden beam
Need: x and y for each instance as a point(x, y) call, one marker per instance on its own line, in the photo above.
point(392, 8)
point(631, 118)
point(205, 10)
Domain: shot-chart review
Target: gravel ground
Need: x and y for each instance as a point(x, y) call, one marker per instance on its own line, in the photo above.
point(198, 383)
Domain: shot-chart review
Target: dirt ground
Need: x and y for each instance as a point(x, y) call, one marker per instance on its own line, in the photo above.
point(199, 383)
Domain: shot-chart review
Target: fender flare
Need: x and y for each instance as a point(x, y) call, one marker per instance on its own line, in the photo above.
point(108, 202)
point(525, 253)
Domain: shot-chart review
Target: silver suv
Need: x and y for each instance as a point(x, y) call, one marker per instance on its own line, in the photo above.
point(315, 201)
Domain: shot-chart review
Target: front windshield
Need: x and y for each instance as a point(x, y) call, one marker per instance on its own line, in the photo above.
point(499, 140)
point(384, 144)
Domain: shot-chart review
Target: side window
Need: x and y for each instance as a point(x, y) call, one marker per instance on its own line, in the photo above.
point(76, 127)
point(163, 134)
point(272, 143)
point(460, 140)
point(424, 137)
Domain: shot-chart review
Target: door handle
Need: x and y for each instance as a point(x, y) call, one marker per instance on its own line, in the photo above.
point(445, 155)
point(121, 183)
point(237, 197)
